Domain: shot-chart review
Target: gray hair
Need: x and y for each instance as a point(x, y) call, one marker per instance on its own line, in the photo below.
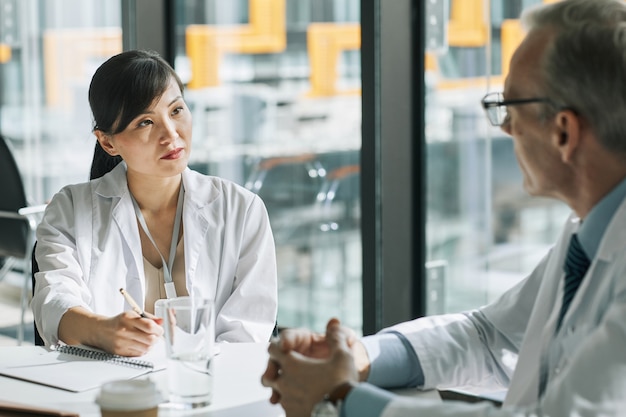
point(584, 69)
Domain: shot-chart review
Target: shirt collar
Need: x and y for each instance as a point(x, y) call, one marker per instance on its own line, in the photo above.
point(592, 229)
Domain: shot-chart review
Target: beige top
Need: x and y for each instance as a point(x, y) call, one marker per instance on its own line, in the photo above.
point(155, 283)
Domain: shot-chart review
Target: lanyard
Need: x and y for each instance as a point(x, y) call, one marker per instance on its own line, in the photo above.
point(170, 290)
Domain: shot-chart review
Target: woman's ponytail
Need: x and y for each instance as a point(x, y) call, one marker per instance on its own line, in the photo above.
point(102, 162)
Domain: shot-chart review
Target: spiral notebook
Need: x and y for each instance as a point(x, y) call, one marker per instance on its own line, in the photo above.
point(80, 368)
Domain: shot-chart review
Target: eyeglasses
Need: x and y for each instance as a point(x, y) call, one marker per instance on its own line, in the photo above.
point(496, 107)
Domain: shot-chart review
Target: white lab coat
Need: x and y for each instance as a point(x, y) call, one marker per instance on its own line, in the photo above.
point(88, 247)
point(512, 341)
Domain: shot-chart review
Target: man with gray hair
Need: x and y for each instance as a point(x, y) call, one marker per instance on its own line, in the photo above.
point(557, 340)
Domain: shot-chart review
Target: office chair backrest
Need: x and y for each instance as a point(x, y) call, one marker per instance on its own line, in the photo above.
point(13, 233)
point(35, 268)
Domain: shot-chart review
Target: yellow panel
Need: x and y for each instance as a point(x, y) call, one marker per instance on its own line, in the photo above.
point(467, 27)
point(325, 42)
point(68, 55)
point(203, 55)
point(512, 35)
point(469, 83)
point(265, 33)
point(5, 53)
point(430, 62)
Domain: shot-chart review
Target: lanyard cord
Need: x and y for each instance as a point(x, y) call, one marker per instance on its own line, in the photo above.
point(170, 290)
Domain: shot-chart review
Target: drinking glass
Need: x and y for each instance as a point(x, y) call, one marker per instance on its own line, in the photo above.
point(189, 337)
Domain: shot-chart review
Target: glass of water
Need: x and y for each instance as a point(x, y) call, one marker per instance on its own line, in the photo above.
point(189, 338)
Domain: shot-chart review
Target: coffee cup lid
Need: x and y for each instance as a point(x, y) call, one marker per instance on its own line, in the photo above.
point(132, 394)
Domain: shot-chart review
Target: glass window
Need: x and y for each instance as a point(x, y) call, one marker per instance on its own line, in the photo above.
point(484, 232)
point(274, 86)
point(48, 53)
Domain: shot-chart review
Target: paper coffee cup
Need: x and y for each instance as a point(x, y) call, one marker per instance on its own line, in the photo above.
point(126, 398)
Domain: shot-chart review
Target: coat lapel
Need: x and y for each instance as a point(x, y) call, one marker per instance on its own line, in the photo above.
point(114, 187)
point(524, 387)
point(198, 221)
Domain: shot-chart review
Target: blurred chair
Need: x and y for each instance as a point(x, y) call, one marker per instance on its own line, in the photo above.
point(339, 196)
point(34, 269)
point(286, 180)
point(288, 185)
point(337, 229)
point(18, 221)
point(313, 201)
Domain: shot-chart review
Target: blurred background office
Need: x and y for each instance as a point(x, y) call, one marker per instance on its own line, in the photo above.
point(357, 121)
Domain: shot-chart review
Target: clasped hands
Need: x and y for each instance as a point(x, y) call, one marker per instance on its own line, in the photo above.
point(304, 366)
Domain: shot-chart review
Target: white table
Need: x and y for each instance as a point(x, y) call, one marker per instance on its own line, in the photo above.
point(237, 386)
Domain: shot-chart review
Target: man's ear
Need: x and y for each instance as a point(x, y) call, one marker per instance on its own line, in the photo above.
point(567, 134)
point(106, 143)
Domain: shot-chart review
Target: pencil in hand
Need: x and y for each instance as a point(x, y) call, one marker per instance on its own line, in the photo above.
point(133, 303)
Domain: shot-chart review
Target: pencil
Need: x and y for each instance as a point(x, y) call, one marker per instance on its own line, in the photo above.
point(133, 303)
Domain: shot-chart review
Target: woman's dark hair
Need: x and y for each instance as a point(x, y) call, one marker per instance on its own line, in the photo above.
point(122, 88)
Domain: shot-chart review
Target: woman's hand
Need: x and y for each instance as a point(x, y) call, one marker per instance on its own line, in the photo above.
point(127, 334)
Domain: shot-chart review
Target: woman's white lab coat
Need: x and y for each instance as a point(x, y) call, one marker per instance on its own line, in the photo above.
point(88, 247)
point(514, 342)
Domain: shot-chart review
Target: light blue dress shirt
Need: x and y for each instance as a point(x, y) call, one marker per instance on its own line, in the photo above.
point(593, 227)
point(394, 363)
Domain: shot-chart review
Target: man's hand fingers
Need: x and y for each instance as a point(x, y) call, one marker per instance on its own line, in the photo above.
point(271, 373)
point(275, 398)
point(268, 379)
point(336, 335)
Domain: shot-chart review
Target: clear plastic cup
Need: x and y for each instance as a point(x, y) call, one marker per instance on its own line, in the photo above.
point(189, 340)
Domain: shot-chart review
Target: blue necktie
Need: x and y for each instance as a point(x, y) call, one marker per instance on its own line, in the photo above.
point(576, 265)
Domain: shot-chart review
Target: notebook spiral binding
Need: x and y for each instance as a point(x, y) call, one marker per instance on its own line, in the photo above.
point(104, 356)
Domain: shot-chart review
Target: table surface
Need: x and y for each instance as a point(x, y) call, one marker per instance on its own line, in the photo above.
point(237, 386)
